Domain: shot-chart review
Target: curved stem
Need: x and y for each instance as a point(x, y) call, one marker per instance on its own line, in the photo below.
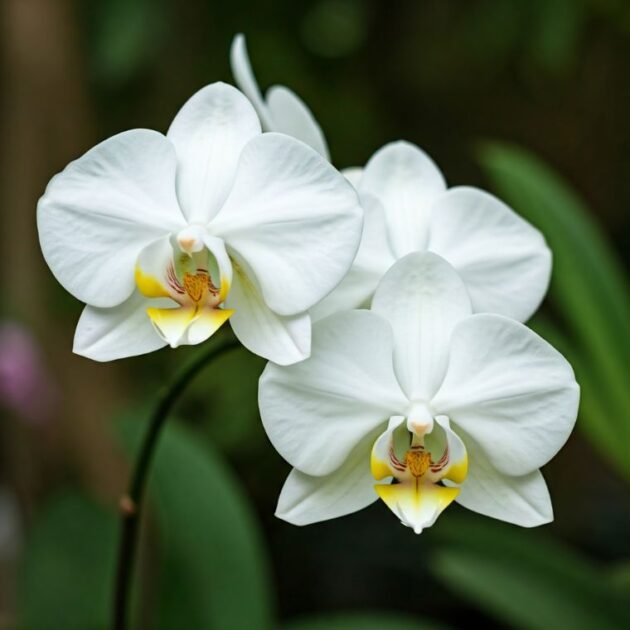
point(131, 503)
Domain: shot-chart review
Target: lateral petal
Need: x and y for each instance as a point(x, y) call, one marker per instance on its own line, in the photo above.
point(315, 412)
point(502, 259)
point(511, 391)
point(103, 208)
point(294, 219)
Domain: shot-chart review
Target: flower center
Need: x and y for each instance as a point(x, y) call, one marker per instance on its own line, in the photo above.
point(417, 461)
point(197, 285)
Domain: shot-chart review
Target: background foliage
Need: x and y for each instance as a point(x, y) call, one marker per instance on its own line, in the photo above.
point(527, 99)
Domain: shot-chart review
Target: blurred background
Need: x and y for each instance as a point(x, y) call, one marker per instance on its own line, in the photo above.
point(530, 100)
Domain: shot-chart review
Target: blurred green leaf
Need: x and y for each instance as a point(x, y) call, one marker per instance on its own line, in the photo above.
point(68, 566)
point(588, 288)
point(212, 569)
point(362, 621)
point(524, 579)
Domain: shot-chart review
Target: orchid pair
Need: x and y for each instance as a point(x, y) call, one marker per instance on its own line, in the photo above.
point(416, 383)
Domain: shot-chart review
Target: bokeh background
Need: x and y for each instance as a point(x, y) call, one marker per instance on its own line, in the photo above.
point(530, 100)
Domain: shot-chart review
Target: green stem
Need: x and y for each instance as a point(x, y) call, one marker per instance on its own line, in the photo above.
point(131, 503)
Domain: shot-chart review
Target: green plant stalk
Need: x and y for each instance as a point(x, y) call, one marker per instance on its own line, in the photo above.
point(131, 503)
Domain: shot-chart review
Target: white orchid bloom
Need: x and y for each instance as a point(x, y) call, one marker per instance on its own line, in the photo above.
point(281, 110)
point(157, 233)
point(420, 402)
point(503, 260)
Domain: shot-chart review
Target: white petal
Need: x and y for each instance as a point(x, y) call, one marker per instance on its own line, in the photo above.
point(406, 181)
point(294, 219)
point(105, 334)
point(305, 499)
point(209, 133)
point(503, 260)
point(103, 208)
point(283, 340)
point(317, 411)
point(152, 271)
point(510, 390)
point(353, 174)
point(244, 77)
point(423, 298)
point(373, 259)
point(520, 500)
point(291, 116)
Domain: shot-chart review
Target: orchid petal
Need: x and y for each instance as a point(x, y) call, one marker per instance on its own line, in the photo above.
point(502, 259)
point(209, 133)
point(522, 500)
point(294, 219)
point(290, 115)
point(246, 81)
point(416, 504)
point(305, 499)
point(405, 180)
point(315, 412)
point(353, 174)
point(510, 390)
point(103, 208)
point(423, 298)
point(106, 334)
point(281, 339)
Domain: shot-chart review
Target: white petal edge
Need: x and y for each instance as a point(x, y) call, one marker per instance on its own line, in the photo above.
point(106, 334)
point(283, 340)
point(246, 81)
point(103, 208)
point(294, 219)
point(209, 132)
point(305, 499)
point(406, 181)
point(423, 299)
point(510, 390)
point(317, 411)
point(502, 258)
point(522, 500)
point(290, 115)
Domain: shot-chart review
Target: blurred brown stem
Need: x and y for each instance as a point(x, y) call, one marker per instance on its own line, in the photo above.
point(131, 503)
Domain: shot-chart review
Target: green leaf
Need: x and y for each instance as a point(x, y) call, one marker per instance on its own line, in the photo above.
point(362, 621)
point(588, 286)
point(525, 579)
point(67, 569)
point(212, 571)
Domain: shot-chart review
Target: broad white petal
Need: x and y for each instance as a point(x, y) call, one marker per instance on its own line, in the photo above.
point(406, 181)
point(294, 219)
point(209, 133)
point(305, 499)
point(283, 340)
point(246, 81)
point(502, 258)
point(102, 209)
point(290, 115)
point(520, 500)
point(511, 391)
point(317, 411)
point(353, 174)
point(423, 298)
point(373, 259)
point(105, 334)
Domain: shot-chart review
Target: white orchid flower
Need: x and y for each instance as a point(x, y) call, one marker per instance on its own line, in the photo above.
point(503, 260)
point(156, 234)
point(420, 402)
point(281, 110)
